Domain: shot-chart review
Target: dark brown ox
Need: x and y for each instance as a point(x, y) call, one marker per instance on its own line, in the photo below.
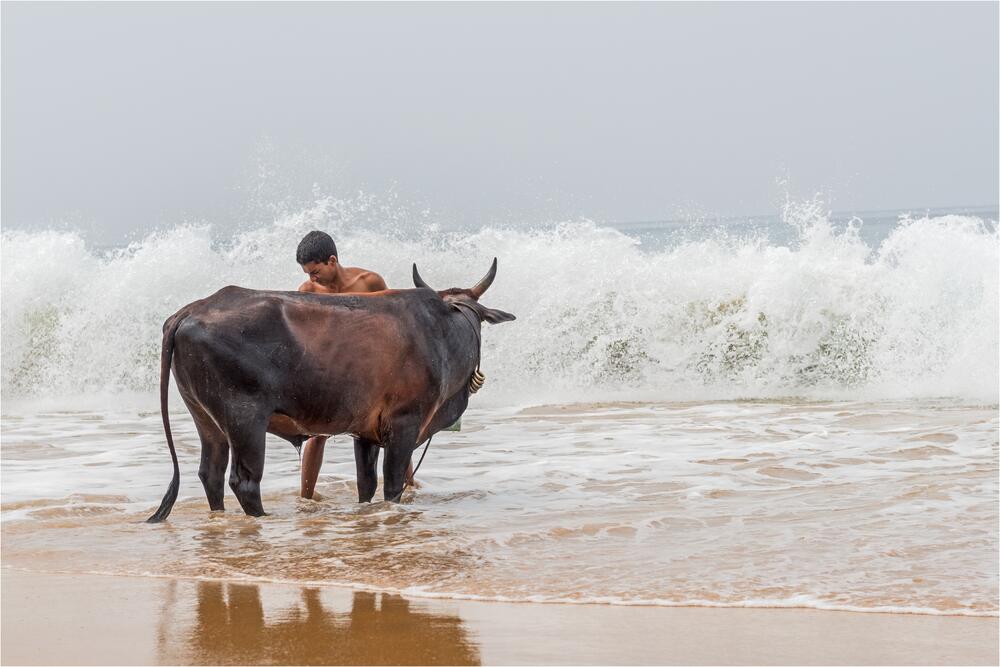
point(391, 368)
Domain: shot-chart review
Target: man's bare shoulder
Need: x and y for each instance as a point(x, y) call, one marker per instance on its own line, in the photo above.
point(363, 280)
point(374, 282)
point(307, 286)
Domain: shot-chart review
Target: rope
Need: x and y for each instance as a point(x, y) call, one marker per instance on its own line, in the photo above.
point(477, 380)
point(426, 447)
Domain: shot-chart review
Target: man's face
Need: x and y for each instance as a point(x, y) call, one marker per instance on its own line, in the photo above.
point(322, 273)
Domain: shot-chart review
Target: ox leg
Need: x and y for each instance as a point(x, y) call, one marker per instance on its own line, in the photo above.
point(366, 461)
point(214, 459)
point(214, 454)
point(247, 443)
point(398, 450)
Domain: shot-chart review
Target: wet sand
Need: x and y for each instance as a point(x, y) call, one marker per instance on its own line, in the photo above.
point(93, 620)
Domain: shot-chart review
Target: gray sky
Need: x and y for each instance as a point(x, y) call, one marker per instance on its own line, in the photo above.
point(125, 116)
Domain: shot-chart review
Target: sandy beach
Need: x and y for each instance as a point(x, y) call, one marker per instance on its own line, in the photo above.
point(95, 620)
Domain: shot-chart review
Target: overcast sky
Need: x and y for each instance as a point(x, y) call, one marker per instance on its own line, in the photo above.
point(125, 116)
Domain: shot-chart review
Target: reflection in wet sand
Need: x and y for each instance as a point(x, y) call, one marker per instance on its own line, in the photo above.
point(232, 625)
point(52, 619)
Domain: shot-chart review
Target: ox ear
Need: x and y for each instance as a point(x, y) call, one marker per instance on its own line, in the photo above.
point(490, 315)
point(494, 316)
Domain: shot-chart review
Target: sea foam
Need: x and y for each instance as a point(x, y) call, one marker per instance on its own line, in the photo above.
point(601, 316)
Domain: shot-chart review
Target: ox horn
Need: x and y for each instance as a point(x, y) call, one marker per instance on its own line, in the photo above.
point(487, 280)
point(417, 280)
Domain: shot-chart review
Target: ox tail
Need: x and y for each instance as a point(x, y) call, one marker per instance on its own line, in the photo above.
point(166, 356)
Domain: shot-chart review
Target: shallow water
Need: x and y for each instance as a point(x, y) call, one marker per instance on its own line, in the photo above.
point(873, 506)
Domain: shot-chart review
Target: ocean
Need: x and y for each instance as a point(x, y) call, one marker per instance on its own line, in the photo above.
point(789, 411)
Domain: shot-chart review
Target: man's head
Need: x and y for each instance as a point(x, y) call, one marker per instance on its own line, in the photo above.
point(317, 255)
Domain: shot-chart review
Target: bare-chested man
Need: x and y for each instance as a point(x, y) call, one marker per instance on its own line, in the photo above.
point(317, 255)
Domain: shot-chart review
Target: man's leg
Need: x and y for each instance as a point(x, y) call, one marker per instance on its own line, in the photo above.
point(312, 461)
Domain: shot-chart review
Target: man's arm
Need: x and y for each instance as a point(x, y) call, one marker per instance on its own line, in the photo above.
point(307, 286)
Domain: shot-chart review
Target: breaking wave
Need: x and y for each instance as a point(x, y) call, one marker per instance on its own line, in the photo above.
point(601, 315)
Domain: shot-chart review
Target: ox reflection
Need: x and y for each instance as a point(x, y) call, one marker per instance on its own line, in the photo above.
point(232, 626)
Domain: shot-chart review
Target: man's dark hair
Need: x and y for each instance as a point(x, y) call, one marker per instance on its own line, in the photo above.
point(315, 247)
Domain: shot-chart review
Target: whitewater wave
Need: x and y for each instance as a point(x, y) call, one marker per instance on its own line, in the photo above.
point(600, 315)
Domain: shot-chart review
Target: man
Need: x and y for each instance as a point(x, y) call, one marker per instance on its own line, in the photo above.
point(317, 255)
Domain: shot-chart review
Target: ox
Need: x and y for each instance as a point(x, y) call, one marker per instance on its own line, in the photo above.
point(391, 368)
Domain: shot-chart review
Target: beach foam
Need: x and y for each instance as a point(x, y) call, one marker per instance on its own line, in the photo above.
point(887, 506)
point(601, 316)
